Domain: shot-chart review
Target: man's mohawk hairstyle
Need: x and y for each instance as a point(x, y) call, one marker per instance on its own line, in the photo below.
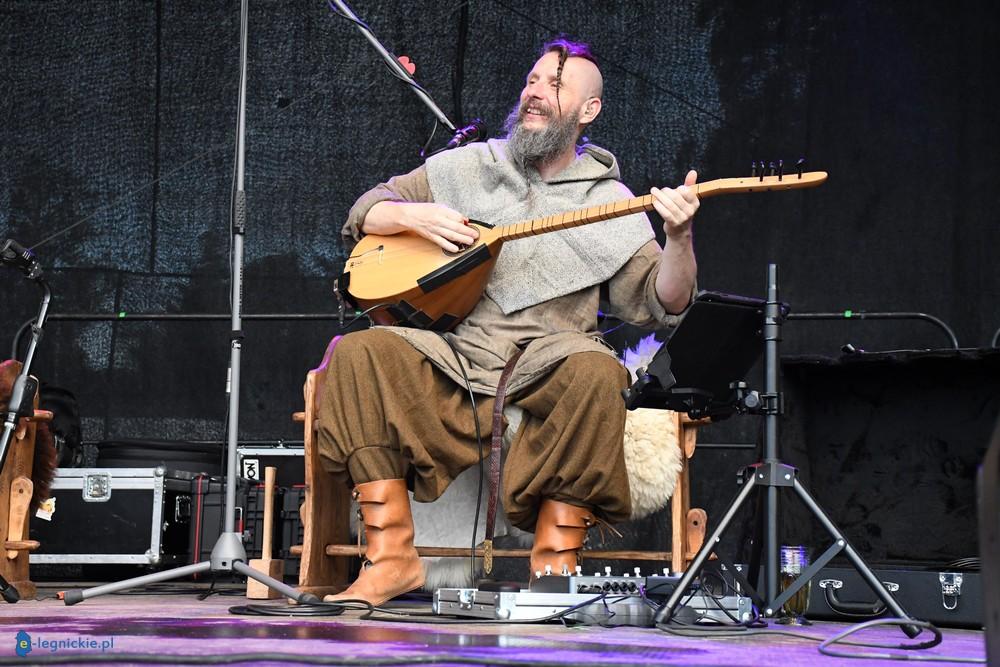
point(567, 48)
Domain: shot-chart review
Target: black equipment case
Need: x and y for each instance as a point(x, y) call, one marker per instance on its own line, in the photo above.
point(125, 516)
point(151, 517)
point(944, 597)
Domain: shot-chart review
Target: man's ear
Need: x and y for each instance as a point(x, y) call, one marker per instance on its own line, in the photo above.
point(591, 109)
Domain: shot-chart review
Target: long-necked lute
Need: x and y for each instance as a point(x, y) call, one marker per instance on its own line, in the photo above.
point(407, 280)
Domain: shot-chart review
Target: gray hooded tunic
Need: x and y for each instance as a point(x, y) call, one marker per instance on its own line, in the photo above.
point(544, 292)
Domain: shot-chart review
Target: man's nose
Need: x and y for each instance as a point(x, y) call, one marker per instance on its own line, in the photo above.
point(532, 91)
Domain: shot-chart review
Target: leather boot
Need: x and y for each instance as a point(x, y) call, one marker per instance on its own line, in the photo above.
point(559, 536)
point(391, 566)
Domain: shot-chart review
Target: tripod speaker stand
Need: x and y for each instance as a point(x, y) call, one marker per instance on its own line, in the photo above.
point(769, 475)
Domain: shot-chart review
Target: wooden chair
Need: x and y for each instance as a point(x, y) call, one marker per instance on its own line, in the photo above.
point(15, 493)
point(327, 548)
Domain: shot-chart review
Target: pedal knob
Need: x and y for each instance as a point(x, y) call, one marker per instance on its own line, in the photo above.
point(579, 571)
point(565, 570)
point(637, 571)
point(538, 574)
point(666, 572)
point(548, 570)
point(607, 570)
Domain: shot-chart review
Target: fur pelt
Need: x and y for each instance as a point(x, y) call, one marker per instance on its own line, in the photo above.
point(653, 455)
point(653, 459)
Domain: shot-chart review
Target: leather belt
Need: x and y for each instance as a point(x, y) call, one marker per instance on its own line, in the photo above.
point(496, 447)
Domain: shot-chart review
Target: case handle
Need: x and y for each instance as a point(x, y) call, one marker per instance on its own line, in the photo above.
point(866, 609)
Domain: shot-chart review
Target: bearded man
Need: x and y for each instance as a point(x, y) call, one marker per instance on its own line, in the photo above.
point(396, 409)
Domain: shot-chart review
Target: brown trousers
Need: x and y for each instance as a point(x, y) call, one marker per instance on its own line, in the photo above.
point(386, 412)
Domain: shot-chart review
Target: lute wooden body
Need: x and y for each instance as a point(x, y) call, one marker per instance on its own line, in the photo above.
point(408, 280)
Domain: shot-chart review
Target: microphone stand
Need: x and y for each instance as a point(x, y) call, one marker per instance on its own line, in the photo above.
point(22, 395)
point(393, 62)
point(228, 554)
point(475, 131)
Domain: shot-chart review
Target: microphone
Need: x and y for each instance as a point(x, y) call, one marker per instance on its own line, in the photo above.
point(15, 255)
point(474, 131)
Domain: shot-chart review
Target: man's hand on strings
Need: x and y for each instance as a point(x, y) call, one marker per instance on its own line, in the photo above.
point(437, 223)
point(677, 207)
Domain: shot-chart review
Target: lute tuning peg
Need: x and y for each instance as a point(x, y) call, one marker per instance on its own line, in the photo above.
point(798, 165)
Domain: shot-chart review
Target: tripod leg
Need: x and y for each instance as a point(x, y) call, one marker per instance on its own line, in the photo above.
point(771, 544)
point(72, 597)
point(667, 610)
point(755, 539)
point(859, 564)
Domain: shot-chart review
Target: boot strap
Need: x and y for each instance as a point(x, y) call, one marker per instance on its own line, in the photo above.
point(361, 529)
point(356, 497)
point(602, 525)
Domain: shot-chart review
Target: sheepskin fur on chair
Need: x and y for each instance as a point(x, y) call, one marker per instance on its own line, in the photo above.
point(653, 455)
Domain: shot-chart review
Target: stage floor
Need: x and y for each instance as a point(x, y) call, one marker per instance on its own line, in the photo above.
point(179, 627)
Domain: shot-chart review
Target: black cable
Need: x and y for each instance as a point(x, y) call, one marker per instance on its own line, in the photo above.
point(364, 313)
point(427, 144)
point(482, 470)
point(391, 615)
point(207, 594)
point(673, 616)
point(181, 589)
point(838, 638)
point(557, 616)
point(285, 610)
point(305, 609)
point(825, 644)
point(717, 599)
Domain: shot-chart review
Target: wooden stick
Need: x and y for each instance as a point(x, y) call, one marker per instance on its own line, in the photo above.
point(266, 565)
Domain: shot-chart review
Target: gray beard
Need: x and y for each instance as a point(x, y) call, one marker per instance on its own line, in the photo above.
point(536, 147)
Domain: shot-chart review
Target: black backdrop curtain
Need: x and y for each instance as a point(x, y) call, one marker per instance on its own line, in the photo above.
point(122, 114)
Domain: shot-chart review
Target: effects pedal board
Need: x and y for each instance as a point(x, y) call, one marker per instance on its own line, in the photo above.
point(602, 598)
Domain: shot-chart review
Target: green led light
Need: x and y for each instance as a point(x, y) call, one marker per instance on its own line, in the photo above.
point(121, 314)
point(848, 314)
